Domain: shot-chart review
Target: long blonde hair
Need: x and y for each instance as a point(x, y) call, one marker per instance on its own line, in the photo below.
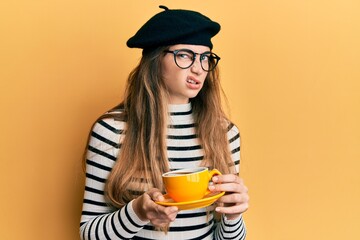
point(143, 154)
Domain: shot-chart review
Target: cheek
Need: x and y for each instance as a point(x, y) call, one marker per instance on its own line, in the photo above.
point(167, 70)
point(204, 76)
point(173, 73)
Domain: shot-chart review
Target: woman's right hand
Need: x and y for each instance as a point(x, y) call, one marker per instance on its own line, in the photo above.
point(147, 210)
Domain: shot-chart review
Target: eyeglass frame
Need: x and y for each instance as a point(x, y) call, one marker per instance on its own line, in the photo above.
point(212, 55)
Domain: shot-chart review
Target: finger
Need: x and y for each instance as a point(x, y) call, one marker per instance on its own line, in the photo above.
point(165, 214)
point(234, 198)
point(156, 195)
point(171, 213)
point(158, 213)
point(227, 178)
point(235, 209)
point(227, 187)
point(171, 210)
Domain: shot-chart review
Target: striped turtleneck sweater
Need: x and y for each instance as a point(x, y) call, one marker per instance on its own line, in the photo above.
point(101, 221)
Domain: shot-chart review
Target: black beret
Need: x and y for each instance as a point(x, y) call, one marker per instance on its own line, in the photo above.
point(175, 26)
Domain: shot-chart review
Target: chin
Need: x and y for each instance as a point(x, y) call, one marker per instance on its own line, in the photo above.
point(192, 96)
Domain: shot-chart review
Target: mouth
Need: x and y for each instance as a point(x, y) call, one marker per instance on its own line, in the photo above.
point(192, 81)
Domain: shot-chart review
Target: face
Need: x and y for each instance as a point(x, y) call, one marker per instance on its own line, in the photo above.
point(183, 84)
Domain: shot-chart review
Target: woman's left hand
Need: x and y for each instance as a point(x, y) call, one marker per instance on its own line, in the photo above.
point(236, 198)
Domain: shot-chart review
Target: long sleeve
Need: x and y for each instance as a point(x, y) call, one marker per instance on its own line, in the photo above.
point(98, 220)
point(232, 229)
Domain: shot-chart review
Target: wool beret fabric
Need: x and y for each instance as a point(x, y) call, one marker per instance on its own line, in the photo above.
point(175, 26)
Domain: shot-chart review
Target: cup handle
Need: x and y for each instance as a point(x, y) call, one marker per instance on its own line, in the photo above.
point(211, 174)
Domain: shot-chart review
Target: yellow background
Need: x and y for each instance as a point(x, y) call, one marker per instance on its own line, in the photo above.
point(291, 71)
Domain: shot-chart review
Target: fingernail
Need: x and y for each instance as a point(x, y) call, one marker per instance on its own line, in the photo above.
point(211, 187)
point(217, 209)
point(215, 179)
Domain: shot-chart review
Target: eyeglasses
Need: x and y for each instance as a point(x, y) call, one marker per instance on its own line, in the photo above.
point(185, 58)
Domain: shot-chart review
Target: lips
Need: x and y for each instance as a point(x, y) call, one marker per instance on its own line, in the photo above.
point(193, 84)
point(192, 80)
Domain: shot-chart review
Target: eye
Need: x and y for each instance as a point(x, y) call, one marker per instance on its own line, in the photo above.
point(205, 57)
point(185, 55)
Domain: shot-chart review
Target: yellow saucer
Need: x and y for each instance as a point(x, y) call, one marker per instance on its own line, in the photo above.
point(204, 202)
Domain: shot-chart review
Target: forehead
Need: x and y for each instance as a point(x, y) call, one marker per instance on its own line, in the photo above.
point(194, 48)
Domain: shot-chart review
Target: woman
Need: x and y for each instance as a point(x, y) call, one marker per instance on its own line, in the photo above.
point(171, 118)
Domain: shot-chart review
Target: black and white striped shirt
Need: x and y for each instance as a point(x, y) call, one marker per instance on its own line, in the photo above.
point(100, 221)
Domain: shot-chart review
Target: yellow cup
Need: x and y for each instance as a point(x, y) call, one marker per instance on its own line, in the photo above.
point(188, 184)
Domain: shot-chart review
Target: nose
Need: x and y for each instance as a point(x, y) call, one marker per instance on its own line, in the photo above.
point(196, 67)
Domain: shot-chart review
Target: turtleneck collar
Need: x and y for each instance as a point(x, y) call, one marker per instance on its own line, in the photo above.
point(175, 108)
